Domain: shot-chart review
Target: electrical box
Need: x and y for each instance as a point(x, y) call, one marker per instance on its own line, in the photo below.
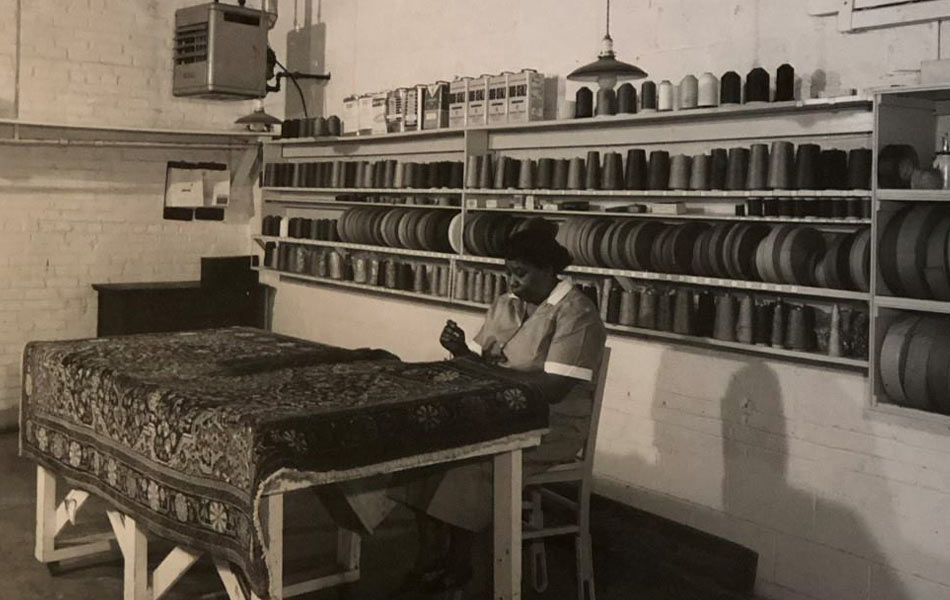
point(220, 52)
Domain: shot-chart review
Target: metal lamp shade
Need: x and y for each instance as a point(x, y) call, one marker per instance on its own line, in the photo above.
point(606, 66)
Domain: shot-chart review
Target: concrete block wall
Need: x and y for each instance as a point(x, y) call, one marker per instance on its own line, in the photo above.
point(839, 502)
point(74, 215)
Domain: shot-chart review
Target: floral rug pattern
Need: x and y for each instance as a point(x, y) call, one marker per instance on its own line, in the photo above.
point(179, 430)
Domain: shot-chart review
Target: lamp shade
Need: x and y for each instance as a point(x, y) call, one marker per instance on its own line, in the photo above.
point(606, 66)
point(258, 117)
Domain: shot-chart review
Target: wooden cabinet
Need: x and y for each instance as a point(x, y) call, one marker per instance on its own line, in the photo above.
point(126, 308)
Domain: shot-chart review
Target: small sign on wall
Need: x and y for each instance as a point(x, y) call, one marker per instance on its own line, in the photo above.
point(196, 190)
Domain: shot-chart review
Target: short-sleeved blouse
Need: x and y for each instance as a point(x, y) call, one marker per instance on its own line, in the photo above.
point(564, 336)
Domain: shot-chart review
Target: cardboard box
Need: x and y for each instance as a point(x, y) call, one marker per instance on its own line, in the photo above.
point(366, 114)
point(498, 98)
point(379, 112)
point(458, 102)
point(525, 96)
point(351, 115)
point(435, 102)
point(412, 109)
point(395, 101)
point(477, 101)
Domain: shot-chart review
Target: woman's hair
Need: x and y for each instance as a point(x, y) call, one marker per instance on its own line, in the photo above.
point(534, 243)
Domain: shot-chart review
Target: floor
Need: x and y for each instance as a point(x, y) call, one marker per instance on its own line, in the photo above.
point(386, 555)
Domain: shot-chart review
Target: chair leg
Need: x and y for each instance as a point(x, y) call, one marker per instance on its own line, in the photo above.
point(585, 567)
point(539, 562)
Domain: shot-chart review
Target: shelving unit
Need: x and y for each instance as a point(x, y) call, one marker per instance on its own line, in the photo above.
point(843, 123)
point(914, 116)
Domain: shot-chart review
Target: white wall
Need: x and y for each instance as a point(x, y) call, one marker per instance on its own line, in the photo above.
point(73, 216)
point(783, 458)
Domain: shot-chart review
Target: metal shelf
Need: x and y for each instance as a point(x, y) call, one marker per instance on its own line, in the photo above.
point(916, 304)
point(914, 195)
point(667, 194)
point(368, 248)
point(683, 216)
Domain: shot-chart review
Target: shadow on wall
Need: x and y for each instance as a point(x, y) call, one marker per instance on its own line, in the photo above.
point(756, 487)
point(717, 458)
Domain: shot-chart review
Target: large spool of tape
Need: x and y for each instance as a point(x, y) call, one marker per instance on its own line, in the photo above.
point(893, 358)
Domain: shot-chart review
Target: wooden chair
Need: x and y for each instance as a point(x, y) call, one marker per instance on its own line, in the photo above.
point(578, 474)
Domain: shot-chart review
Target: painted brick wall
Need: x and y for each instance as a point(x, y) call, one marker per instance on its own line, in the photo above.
point(839, 503)
point(73, 216)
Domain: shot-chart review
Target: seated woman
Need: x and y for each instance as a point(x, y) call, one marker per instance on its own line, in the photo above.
point(542, 325)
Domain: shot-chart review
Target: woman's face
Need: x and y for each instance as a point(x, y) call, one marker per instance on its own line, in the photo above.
point(528, 282)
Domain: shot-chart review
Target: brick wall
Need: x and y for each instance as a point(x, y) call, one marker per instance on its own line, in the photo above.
point(840, 503)
point(73, 216)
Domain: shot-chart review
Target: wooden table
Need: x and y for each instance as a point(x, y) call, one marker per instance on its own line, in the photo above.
point(139, 584)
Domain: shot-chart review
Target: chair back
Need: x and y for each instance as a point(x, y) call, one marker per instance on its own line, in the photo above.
point(599, 384)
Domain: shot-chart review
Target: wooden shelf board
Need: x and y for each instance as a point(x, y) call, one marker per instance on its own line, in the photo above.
point(740, 347)
point(914, 195)
point(851, 103)
point(380, 191)
point(916, 304)
point(415, 136)
point(348, 246)
point(683, 216)
point(356, 286)
point(667, 194)
point(730, 111)
point(751, 286)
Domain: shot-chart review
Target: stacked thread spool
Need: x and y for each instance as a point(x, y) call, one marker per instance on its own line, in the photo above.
point(479, 285)
point(914, 252)
point(733, 317)
point(914, 362)
point(776, 166)
point(705, 91)
point(379, 174)
point(311, 128)
point(396, 273)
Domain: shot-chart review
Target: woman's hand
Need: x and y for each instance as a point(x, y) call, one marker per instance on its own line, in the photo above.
point(453, 340)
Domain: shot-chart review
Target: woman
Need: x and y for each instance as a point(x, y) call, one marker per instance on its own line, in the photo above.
point(542, 325)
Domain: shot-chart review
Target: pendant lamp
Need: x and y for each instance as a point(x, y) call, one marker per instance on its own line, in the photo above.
point(607, 70)
point(258, 120)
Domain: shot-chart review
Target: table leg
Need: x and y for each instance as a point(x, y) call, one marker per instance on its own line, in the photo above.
point(273, 515)
point(507, 525)
point(45, 515)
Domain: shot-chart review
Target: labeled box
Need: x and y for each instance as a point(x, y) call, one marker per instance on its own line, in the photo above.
point(525, 96)
point(458, 102)
point(395, 101)
point(366, 114)
point(351, 115)
point(498, 98)
point(412, 109)
point(477, 101)
point(379, 113)
point(435, 103)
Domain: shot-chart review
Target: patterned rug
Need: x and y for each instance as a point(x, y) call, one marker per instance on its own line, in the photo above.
point(179, 430)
